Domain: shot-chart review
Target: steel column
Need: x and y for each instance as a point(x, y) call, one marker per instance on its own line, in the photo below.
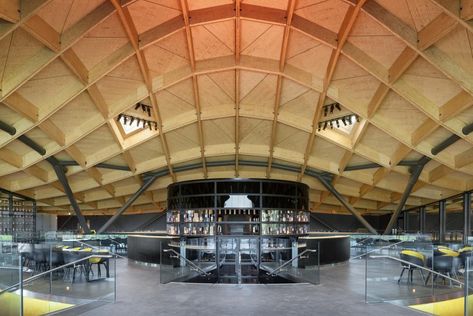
point(61, 176)
point(128, 203)
point(466, 216)
point(405, 223)
point(442, 220)
point(422, 220)
point(410, 185)
point(347, 205)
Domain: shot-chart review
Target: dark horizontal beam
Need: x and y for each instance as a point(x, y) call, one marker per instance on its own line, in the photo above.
point(408, 163)
point(362, 166)
point(443, 145)
point(467, 129)
point(99, 165)
point(32, 144)
point(7, 128)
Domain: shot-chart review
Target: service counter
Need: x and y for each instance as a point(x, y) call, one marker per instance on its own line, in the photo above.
point(146, 247)
point(333, 248)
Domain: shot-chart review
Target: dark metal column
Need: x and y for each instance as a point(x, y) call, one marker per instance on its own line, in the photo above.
point(61, 176)
point(347, 205)
point(10, 214)
point(410, 185)
point(406, 221)
point(422, 220)
point(442, 220)
point(128, 203)
point(466, 216)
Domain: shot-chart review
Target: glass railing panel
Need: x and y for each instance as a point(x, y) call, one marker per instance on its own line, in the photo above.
point(10, 265)
point(468, 290)
point(362, 244)
point(387, 278)
point(58, 286)
point(185, 260)
point(297, 262)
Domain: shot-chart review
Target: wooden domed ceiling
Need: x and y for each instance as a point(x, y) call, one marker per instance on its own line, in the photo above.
point(242, 81)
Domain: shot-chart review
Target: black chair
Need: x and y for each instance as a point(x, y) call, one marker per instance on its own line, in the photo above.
point(443, 265)
point(39, 258)
point(413, 260)
point(70, 271)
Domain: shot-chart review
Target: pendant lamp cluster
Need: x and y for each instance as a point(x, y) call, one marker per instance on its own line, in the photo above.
point(335, 122)
point(127, 119)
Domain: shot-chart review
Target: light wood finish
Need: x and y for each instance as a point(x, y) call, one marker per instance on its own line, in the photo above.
point(241, 80)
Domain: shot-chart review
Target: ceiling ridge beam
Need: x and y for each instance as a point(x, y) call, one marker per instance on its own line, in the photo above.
point(195, 84)
point(237, 85)
point(282, 64)
point(345, 29)
point(132, 34)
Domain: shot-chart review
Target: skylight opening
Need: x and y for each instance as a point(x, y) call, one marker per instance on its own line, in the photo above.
point(130, 125)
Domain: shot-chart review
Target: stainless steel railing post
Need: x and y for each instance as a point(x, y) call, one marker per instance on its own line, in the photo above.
point(20, 276)
point(115, 279)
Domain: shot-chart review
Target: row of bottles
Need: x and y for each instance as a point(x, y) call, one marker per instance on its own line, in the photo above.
point(275, 229)
point(223, 229)
point(250, 215)
point(19, 218)
point(284, 216)
point(200, 216)
point(199, 230)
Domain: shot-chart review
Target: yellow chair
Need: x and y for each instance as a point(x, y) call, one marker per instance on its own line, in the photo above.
point(445, 251)
point(413, 259)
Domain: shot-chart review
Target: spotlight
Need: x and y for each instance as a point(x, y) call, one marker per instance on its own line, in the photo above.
point(331, 108)
point(132, 119)
point(338, 123)
point(357, 118)
point(344, 121)
point(119, 117)
point(149, 125)
point(125, 119)
point(143, 107)
point(155, 126)
point(137, 106)
point(138, 122)
point(144, 123)
point(325, 110)
point(338, 106)
point(148, 109)
point(350, 119)
point(325, 125)
point(331, 124)
point(320, 127)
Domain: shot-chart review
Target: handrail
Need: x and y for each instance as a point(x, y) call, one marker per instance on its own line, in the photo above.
point(36, 276)
point(273, 273)
point(203, 272)
point(419, 267)
point(383, 247)
point(98, 248)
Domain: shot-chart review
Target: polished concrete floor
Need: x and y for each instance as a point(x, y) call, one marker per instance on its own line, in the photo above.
point(341, 292)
